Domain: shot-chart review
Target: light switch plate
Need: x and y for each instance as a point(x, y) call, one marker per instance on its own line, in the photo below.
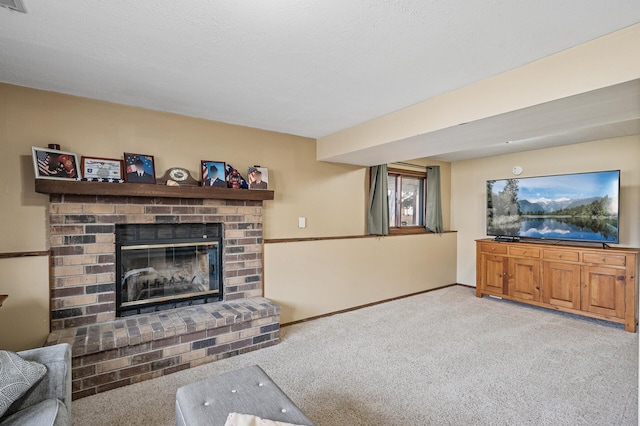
point(302, 222)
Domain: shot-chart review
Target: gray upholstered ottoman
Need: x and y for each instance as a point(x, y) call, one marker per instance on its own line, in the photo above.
point(247, 391)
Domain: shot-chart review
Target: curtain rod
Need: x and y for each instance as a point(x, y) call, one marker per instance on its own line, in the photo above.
point(411, 165)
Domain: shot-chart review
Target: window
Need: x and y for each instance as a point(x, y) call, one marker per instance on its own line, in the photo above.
point(406, 200)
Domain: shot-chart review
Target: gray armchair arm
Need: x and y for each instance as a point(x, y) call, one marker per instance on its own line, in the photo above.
point(55, 384)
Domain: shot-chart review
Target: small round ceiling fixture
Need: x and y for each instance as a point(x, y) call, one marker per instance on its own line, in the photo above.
point(517, 170)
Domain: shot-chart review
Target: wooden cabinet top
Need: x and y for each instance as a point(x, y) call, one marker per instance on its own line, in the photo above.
point(71, 187)
point(567, 246)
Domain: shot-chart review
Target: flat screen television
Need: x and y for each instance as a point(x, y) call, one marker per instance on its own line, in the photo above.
point(579, 207)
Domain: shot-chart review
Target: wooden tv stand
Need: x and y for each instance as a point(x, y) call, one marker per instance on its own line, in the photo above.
point(590, 281)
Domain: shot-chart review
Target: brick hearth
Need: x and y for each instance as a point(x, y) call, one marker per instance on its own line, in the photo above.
point(109, 352)
point(133, 349)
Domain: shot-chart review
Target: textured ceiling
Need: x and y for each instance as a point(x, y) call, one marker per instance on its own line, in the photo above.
point(309, 68)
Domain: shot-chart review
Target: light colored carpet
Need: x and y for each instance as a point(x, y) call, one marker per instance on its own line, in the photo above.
point(440, 358)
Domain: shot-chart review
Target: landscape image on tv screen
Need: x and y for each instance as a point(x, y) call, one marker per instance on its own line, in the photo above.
point(581, 206)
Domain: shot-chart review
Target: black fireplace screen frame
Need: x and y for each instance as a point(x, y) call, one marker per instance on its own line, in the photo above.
point(128, 235)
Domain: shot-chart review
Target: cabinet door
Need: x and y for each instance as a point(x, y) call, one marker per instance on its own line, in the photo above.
point(524, 279)
point(493, 274)
point(603, 290)
point(561, 284)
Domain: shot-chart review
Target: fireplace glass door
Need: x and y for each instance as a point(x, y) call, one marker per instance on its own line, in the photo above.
point(155, 273)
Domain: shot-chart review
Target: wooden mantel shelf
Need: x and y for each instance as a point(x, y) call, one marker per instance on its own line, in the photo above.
point(63, 187)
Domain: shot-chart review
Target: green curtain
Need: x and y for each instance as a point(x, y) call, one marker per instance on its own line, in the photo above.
point(434, 203)
point(378, 213)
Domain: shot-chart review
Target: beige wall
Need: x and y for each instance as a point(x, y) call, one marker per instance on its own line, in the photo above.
point(24, 316)
point(330, 196)
point(313, 278)
point(304, 187)
point(468, 180)
point(603, 62)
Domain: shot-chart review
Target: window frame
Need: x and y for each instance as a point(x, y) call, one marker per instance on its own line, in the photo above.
point(409, 229)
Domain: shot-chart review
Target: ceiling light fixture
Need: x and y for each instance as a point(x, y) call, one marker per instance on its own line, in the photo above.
point(15, 5)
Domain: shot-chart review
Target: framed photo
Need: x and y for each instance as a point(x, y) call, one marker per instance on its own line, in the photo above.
point(258, 177)
point(214, 174)
point(140, 168)
point(54, 164)
point(101, 168)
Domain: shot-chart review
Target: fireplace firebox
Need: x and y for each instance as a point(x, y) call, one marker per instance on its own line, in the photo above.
point(166, 266)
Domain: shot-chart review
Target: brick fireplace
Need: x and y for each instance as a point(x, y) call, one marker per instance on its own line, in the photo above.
point(109, 351)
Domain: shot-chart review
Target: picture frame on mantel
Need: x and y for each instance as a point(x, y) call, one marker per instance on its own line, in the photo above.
point(258, 177)
point(140, 168)
point(55, 164)
point(214, 174)
point(101, 168)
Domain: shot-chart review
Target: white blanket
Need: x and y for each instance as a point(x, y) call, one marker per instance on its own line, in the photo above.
point(237, 419)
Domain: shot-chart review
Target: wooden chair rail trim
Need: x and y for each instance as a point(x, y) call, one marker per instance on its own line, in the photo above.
point(347, 237)
point(23, 254)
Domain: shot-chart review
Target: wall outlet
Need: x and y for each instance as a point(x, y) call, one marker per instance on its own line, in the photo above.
point(302, 222)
